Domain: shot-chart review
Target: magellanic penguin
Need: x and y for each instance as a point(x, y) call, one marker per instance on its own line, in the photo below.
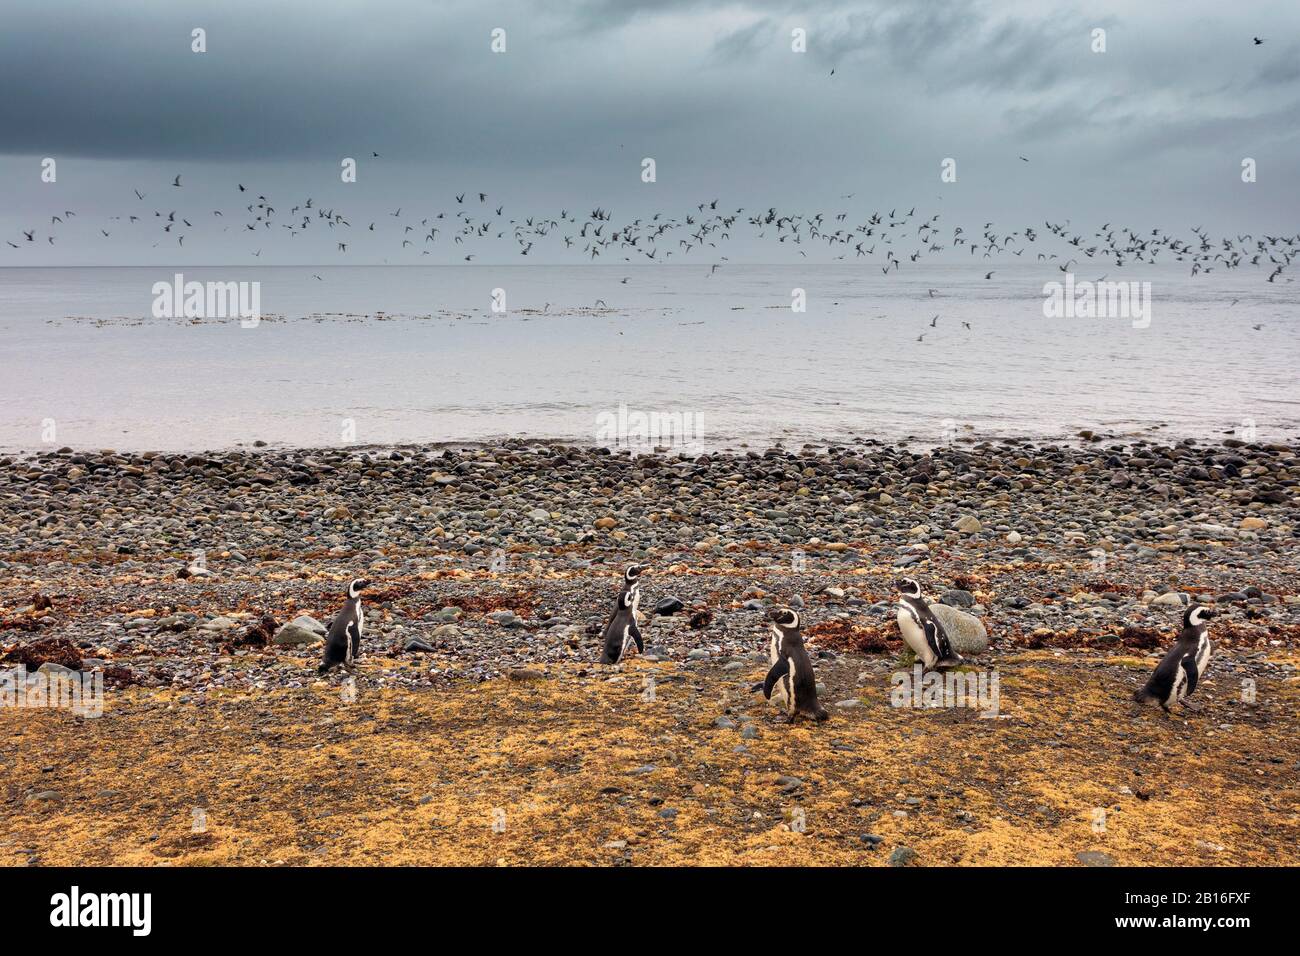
point(922, 631)
point(622, 631)
point(1177, 675)
point(343, 643)
point(791, 683)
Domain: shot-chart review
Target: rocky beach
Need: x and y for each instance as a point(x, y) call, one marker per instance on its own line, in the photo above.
point(198, 585)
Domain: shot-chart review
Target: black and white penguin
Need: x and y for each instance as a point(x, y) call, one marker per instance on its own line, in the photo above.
point(791, 683)
point(922, 631)
point(1178, 673)
point(622, 631)
point(343, 643)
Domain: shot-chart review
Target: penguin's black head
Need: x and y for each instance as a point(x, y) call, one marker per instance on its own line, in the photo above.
point(357, 586)
point(908, 587)
point(634, 572)
point(1197, 615)
point(787, 619)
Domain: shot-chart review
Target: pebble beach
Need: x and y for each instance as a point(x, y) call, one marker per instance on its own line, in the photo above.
point(198, 584)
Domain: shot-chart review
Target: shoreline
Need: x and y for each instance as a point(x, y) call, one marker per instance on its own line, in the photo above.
point(1071, 436)
point(157, 556)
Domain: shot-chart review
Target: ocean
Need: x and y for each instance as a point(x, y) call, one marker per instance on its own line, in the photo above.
point(644, 355)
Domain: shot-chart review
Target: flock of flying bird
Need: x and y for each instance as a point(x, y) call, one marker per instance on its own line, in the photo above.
point(473, 224)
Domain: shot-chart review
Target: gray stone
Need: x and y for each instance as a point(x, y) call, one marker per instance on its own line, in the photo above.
point(49, 669)
point(957, 598)
point(902, 856)
point(303, 629)
point(965, 631)
point(667, 606)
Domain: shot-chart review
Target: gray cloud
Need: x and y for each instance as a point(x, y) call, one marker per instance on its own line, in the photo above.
point(709, 88)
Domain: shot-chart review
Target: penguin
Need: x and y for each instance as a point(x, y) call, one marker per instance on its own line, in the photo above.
point(791, 683)
point(922, 631)
point(343, 643)
point(1177, 675)
point(622, 630)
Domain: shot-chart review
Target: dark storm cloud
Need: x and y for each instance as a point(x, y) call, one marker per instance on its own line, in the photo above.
point(295, 79)
point(710, 88)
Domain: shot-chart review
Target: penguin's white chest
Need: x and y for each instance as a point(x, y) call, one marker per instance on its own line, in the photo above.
point(1202, 657)
point(348, 653)
point(1180, 691)
point(914, 636)
point(783, 690)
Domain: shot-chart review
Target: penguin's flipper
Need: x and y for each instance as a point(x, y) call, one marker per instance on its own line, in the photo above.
point(779, 670)
point(636, 636)
point(937, 640)
point(1189, 668)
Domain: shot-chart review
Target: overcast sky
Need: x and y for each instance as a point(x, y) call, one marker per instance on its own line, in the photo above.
point(1151, 132)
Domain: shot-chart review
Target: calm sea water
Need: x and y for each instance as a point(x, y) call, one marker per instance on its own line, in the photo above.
point(84, 354)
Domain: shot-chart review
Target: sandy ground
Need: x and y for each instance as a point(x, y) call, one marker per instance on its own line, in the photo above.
point(567, 765)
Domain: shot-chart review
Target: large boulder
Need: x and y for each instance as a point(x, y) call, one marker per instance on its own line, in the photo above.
point(965, 631)
point(303, 629)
